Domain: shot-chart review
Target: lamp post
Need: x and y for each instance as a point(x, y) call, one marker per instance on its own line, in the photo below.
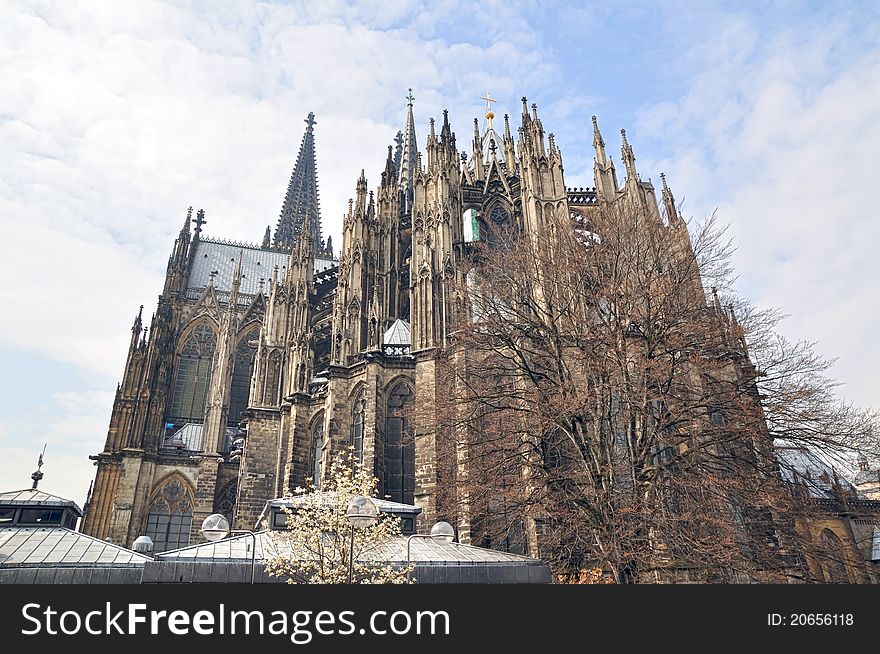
point(216, 527)
point(441, 532)
point(362, 513)
point(143, 545)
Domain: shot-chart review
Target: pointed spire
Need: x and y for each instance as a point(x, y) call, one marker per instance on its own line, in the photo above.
point(398, 150)
point(186, 223)
point(477, 157)
point(236, 282)
point(629, 158)
point(329, 250)
point(410, 149)
point(668, 202)
point(138, 320)
point(302, 194)
point(603, 167)
point(136, 329)
point(267, 238)
point(388, 175)
point(716, 302)
point(599, 143)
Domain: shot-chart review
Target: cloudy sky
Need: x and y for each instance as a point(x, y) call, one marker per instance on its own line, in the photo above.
point(117, 115)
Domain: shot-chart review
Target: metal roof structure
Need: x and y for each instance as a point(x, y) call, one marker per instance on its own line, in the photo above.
point(398, 334)
point(58, 546)
point(237, 548)
point(190, 437)
point(34, 497)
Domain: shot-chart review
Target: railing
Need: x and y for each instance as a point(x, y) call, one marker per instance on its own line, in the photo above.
point(582, 195)
point(388, 351)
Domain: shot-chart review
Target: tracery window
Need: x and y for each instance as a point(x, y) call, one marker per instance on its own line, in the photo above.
point(170, 516)
point(242, 369)
point(357, 430)
point(494, 233)
point(399, 470)
point(224, 502)
point(832, 558)
point(193, 376)
point(316, 450)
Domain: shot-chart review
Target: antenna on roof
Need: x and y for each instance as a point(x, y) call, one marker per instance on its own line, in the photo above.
point(38, 474)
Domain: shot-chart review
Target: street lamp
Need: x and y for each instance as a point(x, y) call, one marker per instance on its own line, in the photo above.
point(362, 513)
point(143, 545)
point(216, 527)
point(442, 532)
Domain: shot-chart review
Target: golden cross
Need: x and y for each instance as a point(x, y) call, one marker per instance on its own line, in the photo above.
point(489, 113)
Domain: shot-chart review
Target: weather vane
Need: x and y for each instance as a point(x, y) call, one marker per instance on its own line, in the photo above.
point(38, 473)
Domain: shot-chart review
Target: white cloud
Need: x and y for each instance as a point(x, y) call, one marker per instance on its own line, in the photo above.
point(776, 131)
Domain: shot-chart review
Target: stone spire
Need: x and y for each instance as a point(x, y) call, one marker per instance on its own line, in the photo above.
point(629, 158)
point(672, 217)
point(409, 159)
point(603, 167)
point(302, 195)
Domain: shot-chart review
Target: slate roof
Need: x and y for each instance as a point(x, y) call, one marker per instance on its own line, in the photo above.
point(210, 255)
point(799, 465)
point(58, 546)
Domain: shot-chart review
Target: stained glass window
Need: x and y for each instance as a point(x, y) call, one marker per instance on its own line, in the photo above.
point(242, 368)
point(193, 374)
point(357, 430)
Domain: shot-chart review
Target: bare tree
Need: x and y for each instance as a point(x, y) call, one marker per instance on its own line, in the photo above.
point(606, 415)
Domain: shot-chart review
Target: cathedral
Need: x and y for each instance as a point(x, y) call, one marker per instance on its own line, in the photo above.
point(263, 361)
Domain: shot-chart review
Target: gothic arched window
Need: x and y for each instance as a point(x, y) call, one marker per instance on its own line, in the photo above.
point(399, 477)
point(242, 369)
point(832, 558)
point(316, 450)
point(193, 374)
point(272, 379)
point(357, 430)
point(170, 516)
point(494, 230)
point(224, 501)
